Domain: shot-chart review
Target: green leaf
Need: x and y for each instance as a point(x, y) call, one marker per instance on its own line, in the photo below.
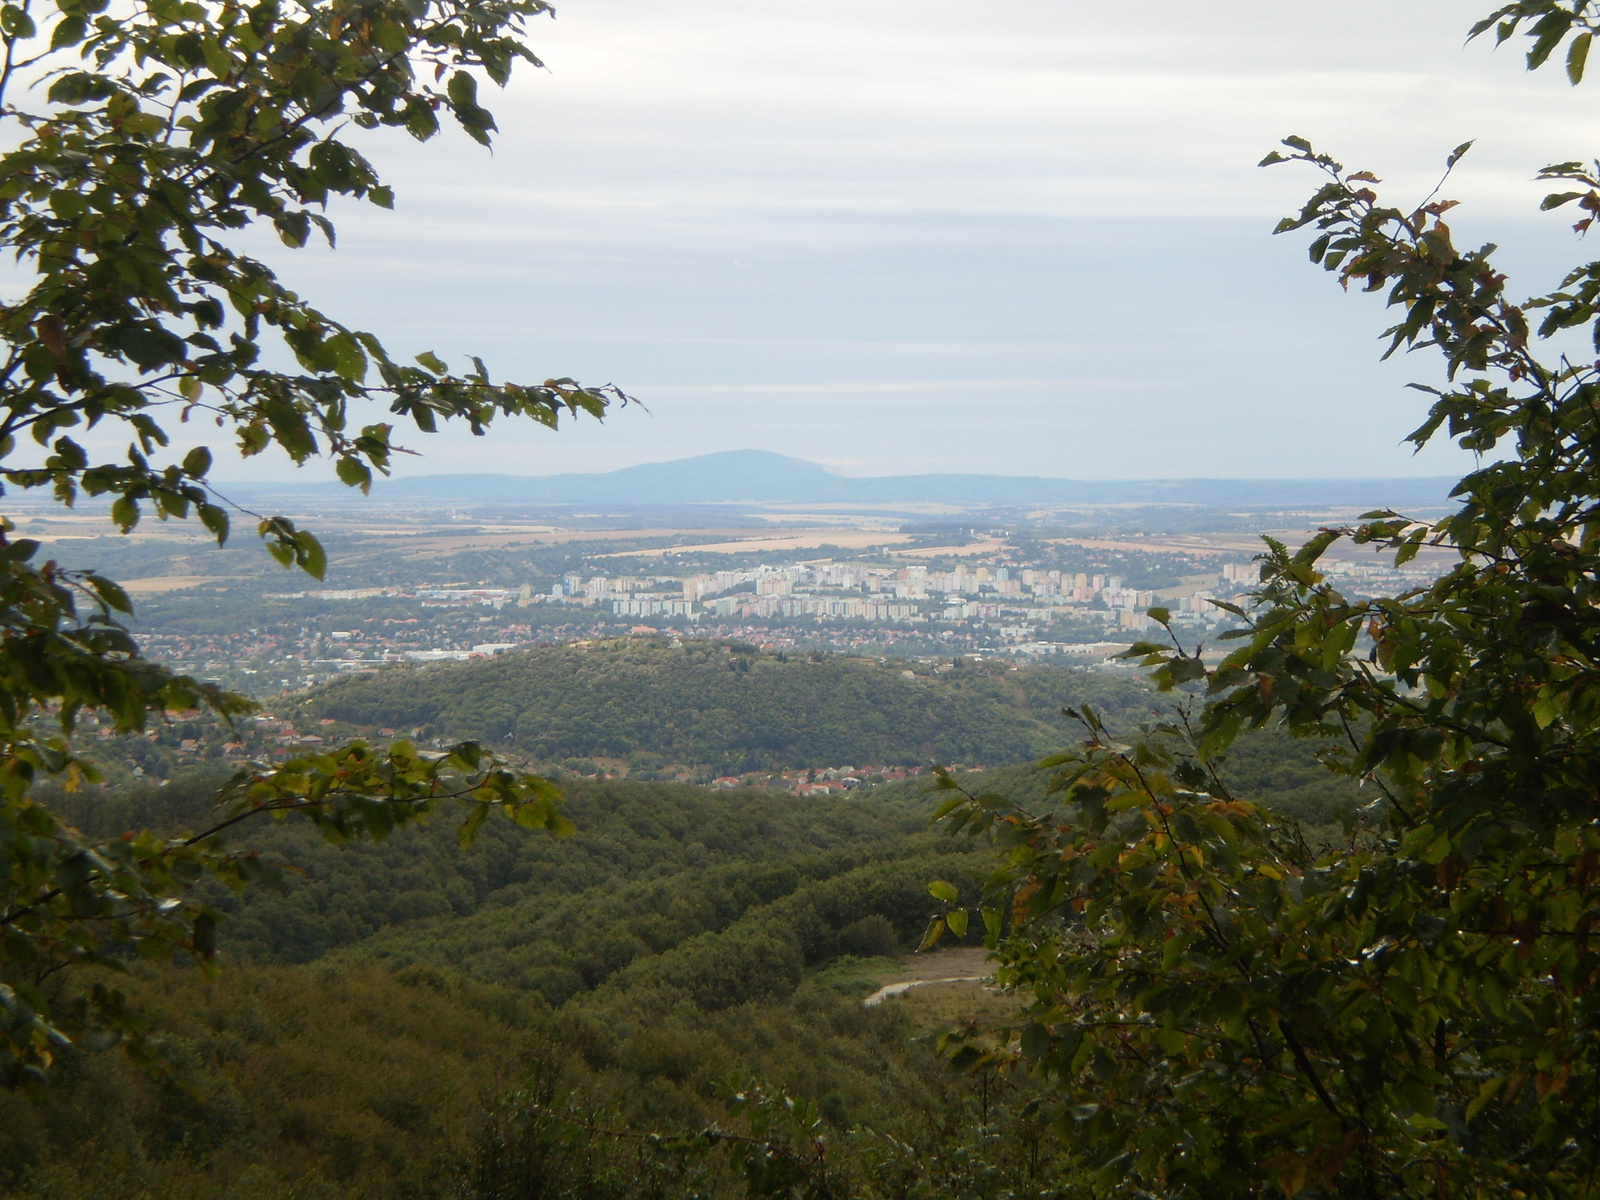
point(145, 344)
point(1547, 706)
point(1486, 1092)
point(74, 87)
point(1578, 57)
point(197, 462)
point(956, 918)
point(1313, 549)
point(353, 472)
point(349, 361)
point(463, 89)
point(215, 520)
point(467, 832)
point(145, 124)
point(309, 554)
point(124, 513)
point(110, 592)
point(940, 890)
point(1036, 1042)
point(1557, 199)
point(69, 31)
point(16, 22)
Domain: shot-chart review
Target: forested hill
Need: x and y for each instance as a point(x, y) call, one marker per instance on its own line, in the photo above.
point(728, 708)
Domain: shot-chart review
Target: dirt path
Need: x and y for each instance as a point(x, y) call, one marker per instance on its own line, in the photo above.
point(967, 964)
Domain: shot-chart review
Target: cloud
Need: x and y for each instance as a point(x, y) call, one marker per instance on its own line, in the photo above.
point(1023, 235)
point(1012, 108)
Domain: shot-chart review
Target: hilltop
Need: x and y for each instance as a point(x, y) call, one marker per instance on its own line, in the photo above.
point(724, 707)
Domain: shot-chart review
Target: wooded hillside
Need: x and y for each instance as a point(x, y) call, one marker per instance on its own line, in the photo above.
point(411, 1018)
point(727, 706)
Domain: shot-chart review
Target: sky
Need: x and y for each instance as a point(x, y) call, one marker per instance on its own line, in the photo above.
point(1016, 237)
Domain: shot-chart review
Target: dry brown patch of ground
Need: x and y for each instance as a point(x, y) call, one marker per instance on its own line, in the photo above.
point(168, 583)
point(992, 546)
point(946, 1005)
point(805, 540)
point(943, 964)
point(943, 998)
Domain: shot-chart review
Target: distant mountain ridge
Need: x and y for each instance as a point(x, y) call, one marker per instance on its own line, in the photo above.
point(762, 477)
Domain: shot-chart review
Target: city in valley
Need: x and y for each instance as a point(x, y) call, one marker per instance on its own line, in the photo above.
point(422, 587)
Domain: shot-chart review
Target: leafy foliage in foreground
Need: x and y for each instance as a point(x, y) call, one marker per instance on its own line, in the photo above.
point(80, 902)
point(727, 707)
point(150, 138)
point(1222, 1009)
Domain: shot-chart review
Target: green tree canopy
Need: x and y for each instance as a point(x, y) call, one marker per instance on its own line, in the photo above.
point(142, 142)
point(1223, 1010)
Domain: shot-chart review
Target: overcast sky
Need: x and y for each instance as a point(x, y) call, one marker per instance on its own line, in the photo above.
point(1018, 236)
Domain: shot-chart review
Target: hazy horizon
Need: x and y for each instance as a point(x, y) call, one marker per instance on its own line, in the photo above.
point(307, 477)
